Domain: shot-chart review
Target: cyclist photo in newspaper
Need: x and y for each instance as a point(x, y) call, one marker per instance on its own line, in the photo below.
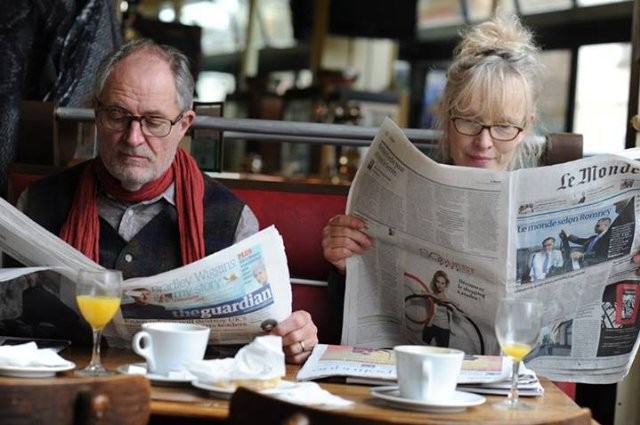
point(432, 318)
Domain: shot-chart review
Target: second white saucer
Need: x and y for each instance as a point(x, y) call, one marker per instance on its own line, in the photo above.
point(34, 371)
point(141, 369)
point(460, 400)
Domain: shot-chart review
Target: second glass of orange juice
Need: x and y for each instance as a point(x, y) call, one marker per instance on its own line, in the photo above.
point(517, 327)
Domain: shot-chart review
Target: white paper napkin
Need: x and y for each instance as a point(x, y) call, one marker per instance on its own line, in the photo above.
point(308, 393)
point(261, 359)
point(29, 355)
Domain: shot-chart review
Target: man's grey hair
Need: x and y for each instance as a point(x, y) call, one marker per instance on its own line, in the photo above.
point(177, 61)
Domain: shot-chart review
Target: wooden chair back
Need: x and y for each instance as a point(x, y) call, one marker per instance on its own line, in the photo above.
point(249, 407)
point(116, 400)
point(561, 147)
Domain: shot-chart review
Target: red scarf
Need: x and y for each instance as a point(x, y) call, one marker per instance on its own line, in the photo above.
point(82, 226)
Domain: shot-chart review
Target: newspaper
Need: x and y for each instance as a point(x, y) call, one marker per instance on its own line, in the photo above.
point(378, 366)
point(483, 229)
point(227, 291)
point(528, 384)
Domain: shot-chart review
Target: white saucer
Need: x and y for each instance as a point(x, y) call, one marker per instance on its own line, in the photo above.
point(34, 371)
point(460, 401)
point(225, 393)
point(141, 369)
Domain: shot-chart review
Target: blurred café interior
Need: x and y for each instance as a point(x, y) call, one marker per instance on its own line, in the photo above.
point(355, 62)
point(347, 62)
point(342, 62)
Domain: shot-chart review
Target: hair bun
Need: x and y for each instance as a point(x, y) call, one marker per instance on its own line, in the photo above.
point(504, 33)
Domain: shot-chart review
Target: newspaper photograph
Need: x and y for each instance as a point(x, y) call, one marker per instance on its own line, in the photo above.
point(238, 292)
point(451, 241)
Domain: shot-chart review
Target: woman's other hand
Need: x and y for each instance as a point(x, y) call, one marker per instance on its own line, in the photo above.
point(342, 237)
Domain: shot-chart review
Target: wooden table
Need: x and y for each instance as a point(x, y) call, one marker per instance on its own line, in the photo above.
point(176, 404)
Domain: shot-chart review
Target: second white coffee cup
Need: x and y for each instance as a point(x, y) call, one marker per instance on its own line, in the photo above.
point(427, 373)
point(168, 346)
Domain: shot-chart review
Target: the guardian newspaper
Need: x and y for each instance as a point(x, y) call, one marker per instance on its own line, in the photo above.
point(238, 292)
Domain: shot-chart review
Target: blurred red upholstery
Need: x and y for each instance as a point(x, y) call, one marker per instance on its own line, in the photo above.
point(300, 218)
point(569, 388)
point(18, 181)
point(300, 212)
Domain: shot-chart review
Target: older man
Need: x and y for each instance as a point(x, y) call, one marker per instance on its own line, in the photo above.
point(546, 259)
point(143, 206)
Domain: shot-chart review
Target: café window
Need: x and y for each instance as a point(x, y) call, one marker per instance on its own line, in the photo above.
point(602, 93)
point(224, 32)
point(224, 23)
point(436, 13)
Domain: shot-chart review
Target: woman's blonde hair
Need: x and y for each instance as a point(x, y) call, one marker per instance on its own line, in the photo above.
point(497, 63)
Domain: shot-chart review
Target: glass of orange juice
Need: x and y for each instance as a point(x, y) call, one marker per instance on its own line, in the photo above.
point(98, 295)
point(517, 327)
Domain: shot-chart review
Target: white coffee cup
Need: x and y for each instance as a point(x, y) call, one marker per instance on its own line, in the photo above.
point(168, 346)
point(427, 373)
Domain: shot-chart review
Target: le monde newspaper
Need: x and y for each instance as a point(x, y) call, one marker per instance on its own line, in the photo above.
point(449, 242)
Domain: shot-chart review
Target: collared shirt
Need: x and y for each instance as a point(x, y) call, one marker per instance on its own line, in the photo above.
point(542, 261)
point(129, 218)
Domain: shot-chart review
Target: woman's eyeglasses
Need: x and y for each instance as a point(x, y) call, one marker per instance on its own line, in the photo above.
point(500, 132)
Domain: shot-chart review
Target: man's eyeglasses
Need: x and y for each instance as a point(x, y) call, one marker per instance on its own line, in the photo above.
point(500, 132)
point(118, 119)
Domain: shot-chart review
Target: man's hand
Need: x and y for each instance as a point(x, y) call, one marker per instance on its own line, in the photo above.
point(342, 237)
point(299, 336)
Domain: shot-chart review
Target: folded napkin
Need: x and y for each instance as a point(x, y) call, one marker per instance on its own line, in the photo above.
point(262, 359)
point(29, 355)
point(307, 393)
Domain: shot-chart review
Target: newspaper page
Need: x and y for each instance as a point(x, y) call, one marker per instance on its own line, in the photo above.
point(481, 235)
point(235, 291)
point(377, 366)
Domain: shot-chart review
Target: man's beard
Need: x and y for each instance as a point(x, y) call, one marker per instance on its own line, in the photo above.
point(132, 178)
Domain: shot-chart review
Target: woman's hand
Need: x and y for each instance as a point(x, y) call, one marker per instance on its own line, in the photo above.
point(342, 237)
